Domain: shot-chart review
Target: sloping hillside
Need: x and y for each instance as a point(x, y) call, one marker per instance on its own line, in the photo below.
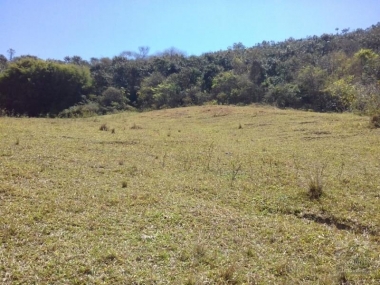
point(198, 195)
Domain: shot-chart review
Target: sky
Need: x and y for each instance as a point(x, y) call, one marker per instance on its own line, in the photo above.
point(105, 28)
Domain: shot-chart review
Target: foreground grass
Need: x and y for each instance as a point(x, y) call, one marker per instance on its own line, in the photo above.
point(203, 195)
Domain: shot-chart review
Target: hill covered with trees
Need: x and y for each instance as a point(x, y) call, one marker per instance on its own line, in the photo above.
point(332, 72)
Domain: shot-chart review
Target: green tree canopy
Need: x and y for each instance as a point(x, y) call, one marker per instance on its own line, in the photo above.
point(35, 87)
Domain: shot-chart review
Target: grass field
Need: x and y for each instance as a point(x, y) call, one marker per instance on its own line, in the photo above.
point(199, 195)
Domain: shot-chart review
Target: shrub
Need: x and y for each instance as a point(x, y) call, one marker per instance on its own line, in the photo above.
point(315, 190)
point(103, 127)
point(374, 122)
point(80, 111)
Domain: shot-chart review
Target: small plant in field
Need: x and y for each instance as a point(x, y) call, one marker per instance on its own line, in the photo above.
point(112, 131)
point(163, 159)
point(184, 256)
point(109, 258)
point(85, 270)
point(208, 155)
point(235, 170)
point(124, 184)
point(250, 252)
point(17, 141)
point(342, 278)
point(315, 190)
point(200, 251)
point(374, 122)
point(103, 127)
point(240, 126)
point(228, 275)
point(135, 127)
point(187, 161)
point(133, 170)
point(341, 170)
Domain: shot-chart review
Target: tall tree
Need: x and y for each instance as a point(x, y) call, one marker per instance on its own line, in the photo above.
point(11, 53)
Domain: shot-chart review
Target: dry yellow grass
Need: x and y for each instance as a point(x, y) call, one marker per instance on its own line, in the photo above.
point(200, 195)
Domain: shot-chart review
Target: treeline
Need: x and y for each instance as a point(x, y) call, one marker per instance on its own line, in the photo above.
point(333, 72)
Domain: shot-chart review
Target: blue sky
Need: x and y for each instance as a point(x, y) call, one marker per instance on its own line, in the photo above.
point(105, 28)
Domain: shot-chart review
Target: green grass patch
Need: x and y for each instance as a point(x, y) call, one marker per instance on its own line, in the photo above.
point(240, 195)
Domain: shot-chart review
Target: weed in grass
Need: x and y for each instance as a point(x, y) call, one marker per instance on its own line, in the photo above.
point(103, 127)
point(200, 251)
point(250, 252)
point(296, 165)
point(236, 167)
point(219, 165)
point(187, 161)
point(109, 258)
point(17, 141)
point(229, 275)
point(112, 131)
point(124, 184)
point(163, 255)
point(164, 159)
point(208, 155)
point(240, 126)
point(251, 170)
point(8, 232)
point(133, 170)
point(85, 270)
point(281, 269)
point(184, 256)
point(135, 127)
point(341, 169)
point(343, 279)
point(315, 190)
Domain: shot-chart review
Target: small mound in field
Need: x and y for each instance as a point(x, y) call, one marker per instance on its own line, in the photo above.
point(375, 121)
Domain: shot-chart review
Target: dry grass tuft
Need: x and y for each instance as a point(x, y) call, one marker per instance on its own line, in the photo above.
point(103, 127)
point(135, 127)
point(315, 186)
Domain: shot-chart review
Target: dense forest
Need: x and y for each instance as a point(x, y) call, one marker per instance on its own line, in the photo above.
point(332, 72)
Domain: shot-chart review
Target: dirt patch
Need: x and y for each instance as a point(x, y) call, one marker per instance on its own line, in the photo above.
point(131, 142)
point(321, 133)
point(347, 225)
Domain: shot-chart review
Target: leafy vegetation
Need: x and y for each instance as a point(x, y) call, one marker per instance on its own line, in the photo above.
point(186, 196)
point(33, 87)
point(332, 72)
